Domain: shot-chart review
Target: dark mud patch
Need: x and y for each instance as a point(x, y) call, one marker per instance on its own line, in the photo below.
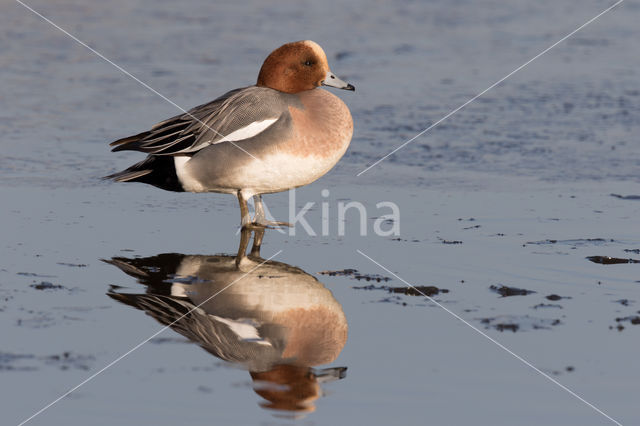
point(204, 389)
point(555, 297)
point(607, 260)
point(36, 319)
point(396, 294)
point(33, 274)
point(567, 369)
point(30, 362)
point(519, 323)
point(46, 285)
point(626, 197)
point(634, 319)
point(506, 327)
point(164, 340)
point(505, 291)
point(443, 241)
point(73, 265)
point(68, 360)
point(546, 306)
point(421, 290)
point(573, 242)
point(636, 251)
point(356, 275)
point(13, 362)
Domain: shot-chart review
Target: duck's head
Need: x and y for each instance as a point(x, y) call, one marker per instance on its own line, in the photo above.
point(298, 66)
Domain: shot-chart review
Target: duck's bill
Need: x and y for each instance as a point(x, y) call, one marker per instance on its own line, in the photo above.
point(333, 81)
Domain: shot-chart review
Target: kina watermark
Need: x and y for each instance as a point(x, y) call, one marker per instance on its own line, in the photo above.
point(326, 217)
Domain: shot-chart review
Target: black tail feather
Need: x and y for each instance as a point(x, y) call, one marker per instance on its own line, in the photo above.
point(159, 171)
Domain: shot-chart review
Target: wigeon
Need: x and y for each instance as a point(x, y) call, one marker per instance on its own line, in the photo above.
point(281, 133)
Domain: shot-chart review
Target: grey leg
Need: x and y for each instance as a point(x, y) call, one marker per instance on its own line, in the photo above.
point(260, 218)
point(245, 236)
point(257, 242)
point(245, 219)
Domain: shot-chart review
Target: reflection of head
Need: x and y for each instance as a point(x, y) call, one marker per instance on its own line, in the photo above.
point(287, 388)
point(293, 388)
point(315, 336)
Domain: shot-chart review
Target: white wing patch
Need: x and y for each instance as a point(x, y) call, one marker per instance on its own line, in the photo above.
point(245, 132)
point(248, 131)
point(245, 330)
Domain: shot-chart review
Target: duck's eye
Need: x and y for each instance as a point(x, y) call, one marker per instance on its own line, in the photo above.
point(308, 63)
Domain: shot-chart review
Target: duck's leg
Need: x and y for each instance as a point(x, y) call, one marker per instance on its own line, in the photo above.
point(260, 217)
point(245, 236)
point(257, 242)
point(245, 218)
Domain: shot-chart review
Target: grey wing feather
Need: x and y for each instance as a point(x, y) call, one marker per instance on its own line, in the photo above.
point(214, 336)
point(206, 124)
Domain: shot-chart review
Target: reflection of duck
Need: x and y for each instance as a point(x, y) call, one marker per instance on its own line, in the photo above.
point(273, 319)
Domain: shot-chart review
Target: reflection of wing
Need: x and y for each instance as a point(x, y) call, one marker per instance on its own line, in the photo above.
point(257, 347)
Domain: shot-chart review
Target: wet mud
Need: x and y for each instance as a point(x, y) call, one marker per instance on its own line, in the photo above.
point(635, 320)
point(607, 260)
point(505, 291)
point(546, 305)
point(574, 243)
point(626, 197)
point(408, 291)
point(46, 285)
point(356, 275)
point(555, 297)
point(443, 241)
point(30, 362)
point(521, 323)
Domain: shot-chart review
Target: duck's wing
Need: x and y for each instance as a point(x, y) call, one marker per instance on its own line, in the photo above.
point(222, 337)
point(235, 116)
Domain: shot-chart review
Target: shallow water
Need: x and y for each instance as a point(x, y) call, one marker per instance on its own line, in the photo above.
point(517, 190)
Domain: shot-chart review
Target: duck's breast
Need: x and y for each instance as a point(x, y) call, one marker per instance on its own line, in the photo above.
point(304, 144)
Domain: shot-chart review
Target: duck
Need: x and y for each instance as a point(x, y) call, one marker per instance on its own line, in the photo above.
point(281, 133)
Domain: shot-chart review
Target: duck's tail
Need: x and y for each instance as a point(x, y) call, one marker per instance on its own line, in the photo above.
point(159, 171)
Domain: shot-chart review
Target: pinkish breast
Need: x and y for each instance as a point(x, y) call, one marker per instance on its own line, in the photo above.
point(323, 128)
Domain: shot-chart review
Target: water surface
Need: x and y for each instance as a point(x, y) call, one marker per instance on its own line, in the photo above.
point(514, 191)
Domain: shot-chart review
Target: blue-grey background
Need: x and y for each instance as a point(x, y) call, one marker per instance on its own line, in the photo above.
point(535, 159)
